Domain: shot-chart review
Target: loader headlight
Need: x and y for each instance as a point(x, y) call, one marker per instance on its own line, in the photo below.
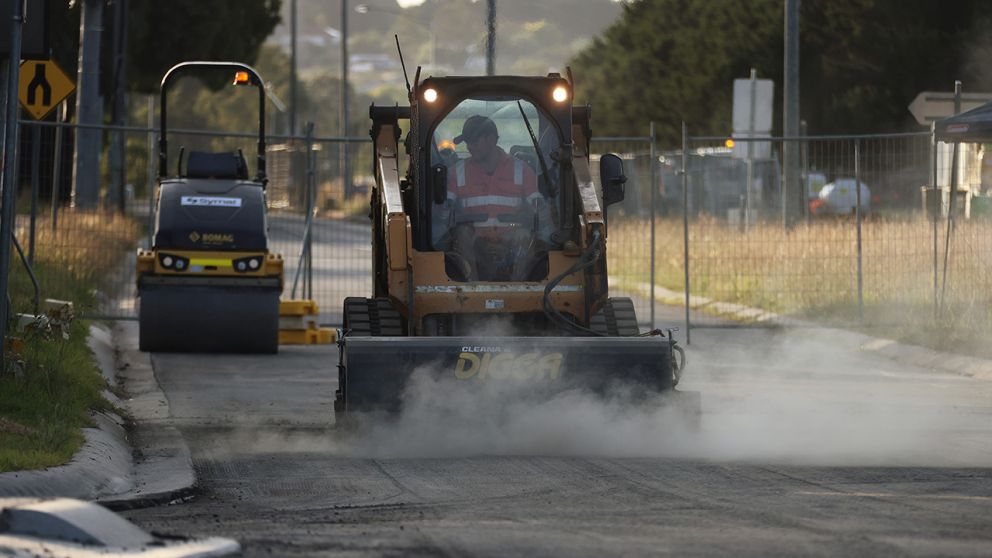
point(167, 261)
point(180, 264)
point(560, 94)
point(241, 266)
point(254, 263)
point(430, 95)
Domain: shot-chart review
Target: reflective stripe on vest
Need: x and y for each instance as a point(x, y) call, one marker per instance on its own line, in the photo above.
point(477, 201)
point(494, 223)
point(518, 172)
point(460, 173)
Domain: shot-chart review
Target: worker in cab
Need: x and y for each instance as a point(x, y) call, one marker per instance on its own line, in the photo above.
point(498, 216)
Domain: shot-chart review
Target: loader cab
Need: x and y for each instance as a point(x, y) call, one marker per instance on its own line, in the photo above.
point(490, 155)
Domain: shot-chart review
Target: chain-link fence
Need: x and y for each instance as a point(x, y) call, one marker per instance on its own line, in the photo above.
point(84, 255)
point(321, 229)
point(630, 255)
point(862, 239)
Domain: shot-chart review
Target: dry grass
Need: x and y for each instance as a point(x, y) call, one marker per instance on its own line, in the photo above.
point(811, 271)
point(86, 245)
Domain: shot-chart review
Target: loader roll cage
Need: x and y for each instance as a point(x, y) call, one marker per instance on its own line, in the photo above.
point(244, 75)
point(448, 94)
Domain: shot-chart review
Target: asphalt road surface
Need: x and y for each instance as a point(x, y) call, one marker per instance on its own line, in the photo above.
point(806, 448)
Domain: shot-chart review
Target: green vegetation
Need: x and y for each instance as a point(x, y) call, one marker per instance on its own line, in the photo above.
point(161, 34)
point(861, 62)
point(47, 395)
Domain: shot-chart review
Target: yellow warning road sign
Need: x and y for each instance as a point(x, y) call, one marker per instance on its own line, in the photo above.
point(42, 86)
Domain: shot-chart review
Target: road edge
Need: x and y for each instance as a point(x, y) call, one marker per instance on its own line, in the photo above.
point(163, 466)
point(903, 353)
point(103, 464)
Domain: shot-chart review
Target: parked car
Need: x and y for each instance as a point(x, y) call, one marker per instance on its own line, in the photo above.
point(840, 198)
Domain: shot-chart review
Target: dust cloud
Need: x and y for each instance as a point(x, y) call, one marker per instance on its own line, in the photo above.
point(804, 397)
point(794, 398)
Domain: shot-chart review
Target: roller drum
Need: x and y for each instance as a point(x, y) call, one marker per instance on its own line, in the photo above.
point(209, 319)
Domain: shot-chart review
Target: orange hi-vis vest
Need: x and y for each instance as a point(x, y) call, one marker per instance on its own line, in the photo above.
point(511, 185)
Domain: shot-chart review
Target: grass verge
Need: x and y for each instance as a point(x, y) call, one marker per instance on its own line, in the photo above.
point(47, 398)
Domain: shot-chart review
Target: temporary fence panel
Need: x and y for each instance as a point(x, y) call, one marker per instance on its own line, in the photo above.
point(963, 259)
point(84, 255)
point(825, 249)
point(341, 235)
point(628, 240)
point(741, 254)
point(305, 192)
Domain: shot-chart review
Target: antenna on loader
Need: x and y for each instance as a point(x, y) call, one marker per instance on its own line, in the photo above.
point(409, 92)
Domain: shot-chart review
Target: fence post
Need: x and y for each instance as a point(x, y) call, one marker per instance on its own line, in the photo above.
point(60, 119)
point(311, 205)
point(685, 223)
point(952, 195)
point(857, 220)
point(935, 202)
point(35, 171)
point(9, 179)
point(654, 211)
point(153, 162)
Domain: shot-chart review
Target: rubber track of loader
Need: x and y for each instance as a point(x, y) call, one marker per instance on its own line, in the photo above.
point(371, 317)
point(617, 318)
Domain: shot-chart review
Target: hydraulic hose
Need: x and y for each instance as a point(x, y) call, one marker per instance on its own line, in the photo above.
point(586, 260)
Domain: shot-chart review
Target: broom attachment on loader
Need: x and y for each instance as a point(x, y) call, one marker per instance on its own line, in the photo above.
point(374, 372)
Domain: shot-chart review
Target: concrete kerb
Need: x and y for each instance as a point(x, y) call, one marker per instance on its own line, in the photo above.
point(163, 469)
point(107, 469)
point(973, 367)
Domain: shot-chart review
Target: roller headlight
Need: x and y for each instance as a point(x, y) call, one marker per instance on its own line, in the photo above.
point(560, 94)
point(172, 261)
point(244, 265)
point(430, 95)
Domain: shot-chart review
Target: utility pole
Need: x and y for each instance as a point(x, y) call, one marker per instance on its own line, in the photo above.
point(9, 163)
point(292, 67)
point(89, 108)
point(345, 164)
point(118, 175)
point(791, 188)
point(491, 37)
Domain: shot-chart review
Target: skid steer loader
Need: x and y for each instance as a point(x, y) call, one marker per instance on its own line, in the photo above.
point(209, 282)
point(489, 253)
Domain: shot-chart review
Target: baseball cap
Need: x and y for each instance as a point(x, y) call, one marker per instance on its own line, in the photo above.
point(476, 126)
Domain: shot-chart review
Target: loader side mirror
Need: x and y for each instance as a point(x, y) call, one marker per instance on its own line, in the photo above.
point(612, 177)
point(439, 183)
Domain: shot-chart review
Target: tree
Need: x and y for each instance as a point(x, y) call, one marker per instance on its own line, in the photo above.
point(162, 34)
point(862, 61)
